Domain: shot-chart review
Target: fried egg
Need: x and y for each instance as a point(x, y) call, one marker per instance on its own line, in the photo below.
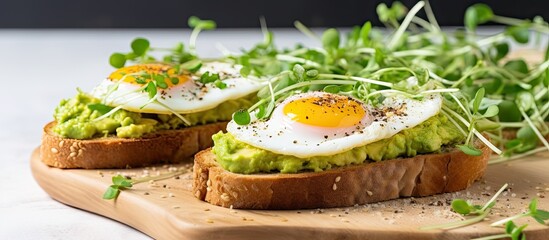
point(322, 124)
point(184, 93)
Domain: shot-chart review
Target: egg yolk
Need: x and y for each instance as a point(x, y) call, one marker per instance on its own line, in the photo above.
point(143, 73)
point(326, 111)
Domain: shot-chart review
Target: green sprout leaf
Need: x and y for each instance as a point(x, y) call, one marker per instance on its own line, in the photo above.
point(195, 22)
point(477, 14)
point(492, 111)
point(174, 80)
point(121, 181)
point(220, 84)
point(478, 99)
point(470, 150)
point(502, 49)
point(140, 80)
point(393, 14)
point(509, 112)
point(365, 33)
point(541, 216)
point(517, 65)
point(151, 89)
point(192, 65)
point(311, 74)
point(112, 192)
point(101, 108)
point(520, 34)
point(331, 89)
point(261, 113)
point(517, 233)
point(461, 206)
point(208, 77)
point(509, 226)
point(533, 206)
point(512, 231)
point(330, 39)
point(140, 46)
point(487, 102)
point(525, 100)
point(117, 60)
point(526, 140)
point(242, 117)
point(486, 125)
point(245, 71)
point(299, 72)
point(160, 81)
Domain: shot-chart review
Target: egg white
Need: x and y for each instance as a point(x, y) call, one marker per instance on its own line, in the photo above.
point(188, 97)
point(276, 135)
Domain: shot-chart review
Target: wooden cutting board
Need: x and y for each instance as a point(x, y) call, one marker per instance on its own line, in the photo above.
point(167, 209)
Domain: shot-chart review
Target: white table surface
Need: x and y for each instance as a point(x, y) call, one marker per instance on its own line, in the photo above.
point(38, 68)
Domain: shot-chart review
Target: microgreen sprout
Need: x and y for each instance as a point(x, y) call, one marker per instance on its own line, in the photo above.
point(466, 208)
point(365, 64)
point(142, 51)
point(101, 108)
point(511, 231)
point(120, 183)
point(241, 117)
point(537, 214)
point(198, 25)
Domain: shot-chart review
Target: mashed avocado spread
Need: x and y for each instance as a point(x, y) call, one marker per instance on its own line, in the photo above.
point(75, 119)
point(428, 137)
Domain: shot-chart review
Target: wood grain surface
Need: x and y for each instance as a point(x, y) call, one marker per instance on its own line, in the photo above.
point(167, 210)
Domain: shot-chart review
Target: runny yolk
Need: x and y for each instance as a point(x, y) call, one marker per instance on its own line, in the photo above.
point(326, 111)
point(143, 73)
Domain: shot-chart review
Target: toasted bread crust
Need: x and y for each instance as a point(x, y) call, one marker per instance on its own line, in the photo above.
point(422, 175)
point(169, 146)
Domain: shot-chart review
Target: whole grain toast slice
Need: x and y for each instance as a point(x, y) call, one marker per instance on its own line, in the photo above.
point(167, 146)
point(423, 175)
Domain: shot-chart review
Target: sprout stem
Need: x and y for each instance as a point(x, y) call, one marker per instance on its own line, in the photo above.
point(305, 30)
point(517, 156)
point(533, 126)
point(405, 24)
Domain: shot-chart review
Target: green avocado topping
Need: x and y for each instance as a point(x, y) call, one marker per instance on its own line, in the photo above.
point(76, 119)
point(428, 137)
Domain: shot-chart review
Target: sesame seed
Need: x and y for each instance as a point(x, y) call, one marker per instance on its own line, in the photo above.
point(370, 193)
point(54, 150)
point(338, 178)
point(225, 197)
point(334, 187)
